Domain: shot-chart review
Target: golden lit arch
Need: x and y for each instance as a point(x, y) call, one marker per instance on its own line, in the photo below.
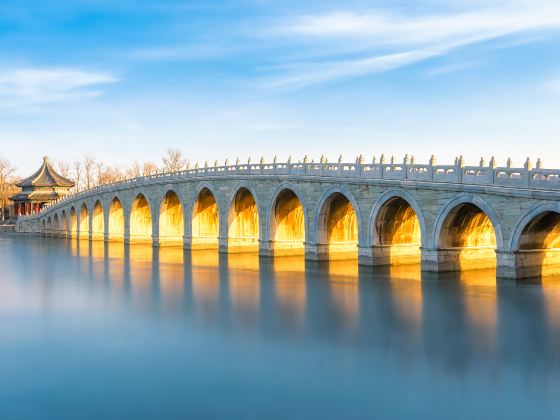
point(97, 221)
point(338, 227)
point(243, 226)
point(468, 237)
point(205, 220)
point(73, 222)
point(64, 223)
point(287, 224)
point(398, 233)
point(140, 220)
point(539, 244)
point(171, 225)
point(56, 224)
point(84, 222)
point(116, 220)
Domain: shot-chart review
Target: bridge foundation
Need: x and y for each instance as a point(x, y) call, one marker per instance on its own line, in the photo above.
point(383, 255)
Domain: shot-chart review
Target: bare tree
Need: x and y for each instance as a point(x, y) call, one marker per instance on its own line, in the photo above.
point(89, 172)
point(149, 168)
point(134, 171)
point(173, 161)
point(77, 165)
point(6, 183)
point(63, 168)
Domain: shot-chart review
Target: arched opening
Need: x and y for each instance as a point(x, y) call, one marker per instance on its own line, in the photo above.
point(116, 221)
point(56, 225)
point(84, 222)
point(539, 246)
point(140, 220)
point(467, 240)
point(338, 228)
point(243, 223)
point(73, 223)
point(64, 224)
point(171, 226)
point(97, 222)
point(49, 226)
point(398, 234)
point(205, 221)
point(287, 224)
point(43, 227)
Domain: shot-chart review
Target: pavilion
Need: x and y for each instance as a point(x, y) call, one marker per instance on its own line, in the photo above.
point(43, 187)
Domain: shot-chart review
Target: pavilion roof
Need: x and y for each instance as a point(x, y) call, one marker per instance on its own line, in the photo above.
point(46, 176)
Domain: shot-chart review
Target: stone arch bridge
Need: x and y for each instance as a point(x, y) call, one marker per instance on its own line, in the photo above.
point(448, 217)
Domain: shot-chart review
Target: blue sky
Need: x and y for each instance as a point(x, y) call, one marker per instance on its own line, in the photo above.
point(124, 80)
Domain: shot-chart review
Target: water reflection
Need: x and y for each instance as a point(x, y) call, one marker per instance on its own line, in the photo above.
point(326, 324)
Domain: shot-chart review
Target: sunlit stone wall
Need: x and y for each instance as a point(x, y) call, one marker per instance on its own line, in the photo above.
point(288, 224)
point(116, 221)
point(171, 226)
point(98, 222)
point(205, 221)
point(469, 239)
point(243, 220)
point(140, 220)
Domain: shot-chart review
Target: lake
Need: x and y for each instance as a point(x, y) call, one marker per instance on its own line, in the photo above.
point(90, 330)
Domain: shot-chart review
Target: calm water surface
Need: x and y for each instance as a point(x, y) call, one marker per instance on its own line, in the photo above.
point(95, 331)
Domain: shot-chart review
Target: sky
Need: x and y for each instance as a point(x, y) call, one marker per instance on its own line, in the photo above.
point(122, 80)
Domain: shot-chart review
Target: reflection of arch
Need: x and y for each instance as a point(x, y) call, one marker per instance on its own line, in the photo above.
point(287, 221)
point(116, 220)
point(171, 225)
point(84, 221)
point(97, 221)
point(467, 233)
point(205, 225)
point(73, 222)
point(243, 218)
point(536, 241)
point(397, 228)
point(140, 219)
point(338, 223)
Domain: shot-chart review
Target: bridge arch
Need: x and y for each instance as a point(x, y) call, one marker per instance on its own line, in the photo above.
point(397, 228)
point(98, 221)
point(338, 224)
point(205, 217)
point(49, 226)
point(56, 224)
point(43, 226)
point(171, 219)
point(83, 222)
point(536, 241)
point(140, 219)
point(287, 220)
point(64, 223)
point(244, 217)
point(115, 219)
point(467, 234)
point(73, 222)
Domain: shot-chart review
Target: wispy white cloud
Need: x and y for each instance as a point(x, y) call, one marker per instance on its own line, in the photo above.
point(34, 86)
point(378, 40)
point(180, 52)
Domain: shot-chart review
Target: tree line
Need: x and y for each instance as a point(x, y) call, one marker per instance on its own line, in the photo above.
point(88, 172)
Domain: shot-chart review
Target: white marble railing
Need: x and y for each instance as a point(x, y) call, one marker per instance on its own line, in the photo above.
point(522, 178)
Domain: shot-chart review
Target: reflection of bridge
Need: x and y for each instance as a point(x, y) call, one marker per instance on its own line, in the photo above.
point(449, 217)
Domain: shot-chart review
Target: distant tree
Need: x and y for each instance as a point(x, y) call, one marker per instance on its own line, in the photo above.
point(7, 184)
point(149, 168)
point(174, 161)
point(89, 172)
point(63, 168)
point(77, 166)
point(134, 171)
